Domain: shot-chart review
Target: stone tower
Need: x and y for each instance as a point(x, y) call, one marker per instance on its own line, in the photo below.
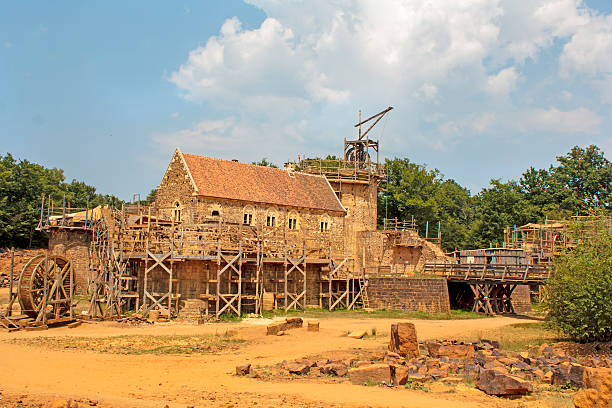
point(355, 179)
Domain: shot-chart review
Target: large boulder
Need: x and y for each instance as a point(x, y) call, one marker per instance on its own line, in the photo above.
point(458, 351)
point(404, 340)
point(375, 373)
point(598, 393)
point(494, 382)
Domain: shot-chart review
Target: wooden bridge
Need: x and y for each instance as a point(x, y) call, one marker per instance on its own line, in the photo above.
point(492, 284)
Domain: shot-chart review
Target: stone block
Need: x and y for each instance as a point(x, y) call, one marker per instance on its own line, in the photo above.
point(492, 382)
point(404, 340)
point(458, 351)
point(376, 373)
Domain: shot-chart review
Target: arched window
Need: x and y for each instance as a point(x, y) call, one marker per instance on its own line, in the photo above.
point(325, 223)
point(271, 219)
point(292, 221)
point(177, 212)
point(215, 213)
point(247, 215)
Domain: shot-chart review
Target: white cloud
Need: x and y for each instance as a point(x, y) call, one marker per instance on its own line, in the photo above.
point(581, 121)
point(503, 83)
point(323, 60)
point(590, 49)
point(427, 92)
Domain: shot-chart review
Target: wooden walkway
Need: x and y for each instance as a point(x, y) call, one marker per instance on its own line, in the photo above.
point(492, 284)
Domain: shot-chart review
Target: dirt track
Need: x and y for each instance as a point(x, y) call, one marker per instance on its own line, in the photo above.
point(208, 380)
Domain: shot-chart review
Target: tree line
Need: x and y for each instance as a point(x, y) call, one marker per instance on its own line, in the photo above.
point(579, 182)
point(22, 186)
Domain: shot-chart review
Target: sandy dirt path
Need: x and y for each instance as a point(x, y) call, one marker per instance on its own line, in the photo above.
point(209, 380)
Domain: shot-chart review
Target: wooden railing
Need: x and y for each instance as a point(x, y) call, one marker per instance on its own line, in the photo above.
point(520, 274)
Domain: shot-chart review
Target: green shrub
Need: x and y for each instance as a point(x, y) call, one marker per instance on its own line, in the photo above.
point(580, 286)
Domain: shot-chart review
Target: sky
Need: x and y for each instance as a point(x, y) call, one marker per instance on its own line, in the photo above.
point(481, 89)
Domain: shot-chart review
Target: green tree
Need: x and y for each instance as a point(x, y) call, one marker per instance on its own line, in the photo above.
point(413, 191)
point(580, 286)
point(496, 207)
point(23, 185)
point(265, 162)
point(582, 181)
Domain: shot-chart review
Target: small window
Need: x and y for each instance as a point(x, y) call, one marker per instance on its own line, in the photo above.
point(215, 213)
point(324, 226)
point(177, 212)
point(292, 223)
point(247, 215)
point(271, 221)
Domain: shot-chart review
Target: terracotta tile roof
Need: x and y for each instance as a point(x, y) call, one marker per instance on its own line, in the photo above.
point(219, 178)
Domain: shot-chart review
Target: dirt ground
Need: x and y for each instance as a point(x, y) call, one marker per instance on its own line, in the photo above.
point(36, 374)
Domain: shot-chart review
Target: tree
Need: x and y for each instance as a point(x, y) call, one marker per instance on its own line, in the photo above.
point(23, 185)
point(497, 207)
point(582, 181)
point(265, 162)
point(580, 286)
point(413, 191)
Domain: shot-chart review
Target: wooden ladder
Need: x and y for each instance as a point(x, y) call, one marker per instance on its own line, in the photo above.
point(363, 284)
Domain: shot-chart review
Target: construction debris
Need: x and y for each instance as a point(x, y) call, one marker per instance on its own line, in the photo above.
point(134, 320)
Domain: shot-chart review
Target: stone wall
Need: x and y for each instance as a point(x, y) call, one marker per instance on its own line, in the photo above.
point(74, 245)
point(521, 299)
point(404, 252)
point(177, 188)
point(413, 294)
point(360, 201)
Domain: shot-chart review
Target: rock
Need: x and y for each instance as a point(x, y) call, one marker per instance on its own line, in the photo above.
point(299, 369)
point(587, 398)
point(274, 328)
point(375, 373)
point(438, 373)
point(60, 403)
point(472, 370)
point(290, 323)
point(492, 382)
point(400, 375)
point(359, 334)
point(154, 315)
point(363, 363)
point(404, 340)
point(281, 333)
point(313, 326)
point(572, 376)
point(459, 351)
point(599, 389)
point(322, 362)
point(294, 322)
point(243, 369)
point(482, 357)
point(339, 370)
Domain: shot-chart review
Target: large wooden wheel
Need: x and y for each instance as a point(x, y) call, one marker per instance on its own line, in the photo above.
point(31, 288)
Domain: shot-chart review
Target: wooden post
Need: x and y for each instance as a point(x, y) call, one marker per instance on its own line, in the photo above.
point(9, 312)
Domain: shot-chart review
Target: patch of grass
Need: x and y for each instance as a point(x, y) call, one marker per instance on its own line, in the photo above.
point(317, 313)
point(520, 336)
point(412, 385)
point(138, 344)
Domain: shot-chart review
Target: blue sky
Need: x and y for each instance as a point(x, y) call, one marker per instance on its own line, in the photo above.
point(481, 90)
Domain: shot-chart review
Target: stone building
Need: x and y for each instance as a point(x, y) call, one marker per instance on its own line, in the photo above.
point(195, 189)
